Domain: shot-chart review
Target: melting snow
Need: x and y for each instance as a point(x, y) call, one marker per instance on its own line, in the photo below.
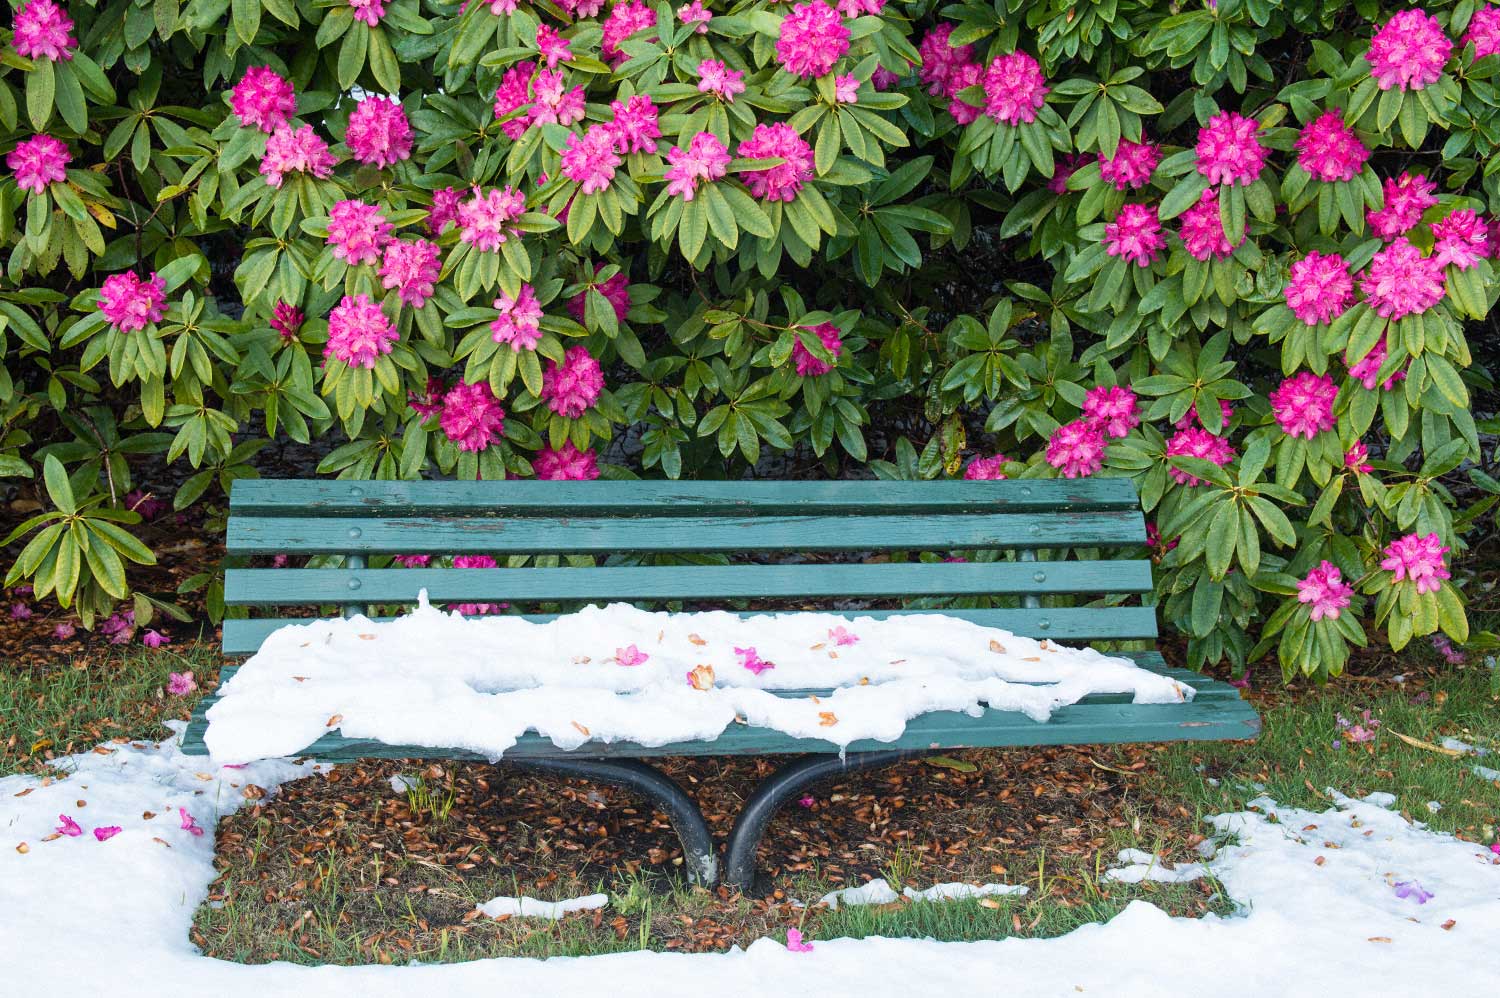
point(86, 917)
point(527, 907)
point(437, 679)
point(1142, 865)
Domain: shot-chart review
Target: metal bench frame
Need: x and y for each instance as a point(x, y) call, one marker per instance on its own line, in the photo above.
point(1072, 521)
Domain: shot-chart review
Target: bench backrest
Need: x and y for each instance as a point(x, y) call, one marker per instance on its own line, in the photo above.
point(363, 520)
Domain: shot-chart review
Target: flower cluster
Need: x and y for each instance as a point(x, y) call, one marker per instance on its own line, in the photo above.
point(483, 218)
point(777, 183)
point(1229, 149)
point(131, 304)
point(1202, 230)
point(986, 469)
point(39, 161)
point(813, 37)
point(1303, 405)
point(1409, 51)
point(378, 132)
point(1406, 198)
point(1325, 589)
point(1484, 31)
point(1320, 288)
point(357, 232)
point(590, 159)
point(1400, 281)
point(519, 321)
point(616, 291)
point(299, 151)
point(704, 161)
point(573, 386)
point(809, 366)
point(1461, 239)
point(412, 268)
point(1329, 150)
point(635, 126)
point(1014, 89)
point(359, 332)
point(1194, 441)
point(1367, 369)
point(1076, 449)
point(1131, 166)
point(718, 79)
point(263, 99)
point(1135, 235)
point(1417, 558)
point(43, 30)
point(473, 419)
point(566, 463)
point(1112, 408)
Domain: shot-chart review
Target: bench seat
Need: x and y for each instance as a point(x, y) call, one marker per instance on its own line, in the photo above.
point(1042, 541)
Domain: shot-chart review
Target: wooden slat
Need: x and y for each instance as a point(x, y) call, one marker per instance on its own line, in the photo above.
point(1080, 623)
point(273, 497)
point(282, 586)
point(594, 535)
point(1213, 716)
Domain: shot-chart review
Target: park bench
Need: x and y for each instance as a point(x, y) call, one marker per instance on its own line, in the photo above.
point(1047, 537)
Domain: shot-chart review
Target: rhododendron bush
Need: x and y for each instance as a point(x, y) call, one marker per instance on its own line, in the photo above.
point(1233, 251)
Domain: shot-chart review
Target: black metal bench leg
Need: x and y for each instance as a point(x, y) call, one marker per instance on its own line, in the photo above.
point(698, 853)
point(780, 787)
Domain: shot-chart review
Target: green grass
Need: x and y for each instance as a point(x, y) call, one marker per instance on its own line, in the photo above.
point(71, 704)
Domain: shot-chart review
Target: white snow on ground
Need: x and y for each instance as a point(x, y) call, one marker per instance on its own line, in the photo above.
point(528, 907)
point(437, 679)
point(1142, 865)
point(879, 892)
point(82, 917)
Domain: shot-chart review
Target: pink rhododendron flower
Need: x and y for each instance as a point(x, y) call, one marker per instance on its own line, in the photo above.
point(263, 99)
point(378, 132)
point(287, 320)
point(750, 659)
point(1064, 167)
point(883, 79)
point(616, 291)
point(43, 30)
point(1076, 449)
point(357, 232)
point(1202, 230)
point(483, 217)
point(941, 59)
point(1229, 149)
point(854, 8)
point(1326, 590)
point(106, 832)
point(20, 611)
point(1195, 441)
point(845, 89)
point(189, 823)
point(1400, 281)
point(704, 160)
point(1361, 731)
point(1112, 408)
point(120, 627)
point(554, 101)
point(513, 94)
point(520, 320)
point(717, 78)
point(986, 469)
point(300, 151)
point(582, 8)
point(1154, 541)
point(413, 560)
point(630, 655)
point(1329, 150)
point(145, 504)
point(131, 304)
point(1135, 235)
point(777, 183)
point(566, 464)
point(810, 366)
point(67, 826)
point(842, 636)
point(1409, 52)
point(1014, 89)
point(573, 386)
point(964, 77)
point(624, 20)
point(1356, 458)
point(590, 159)
point(180, 684)
point(1461, 239)
point(553, 47)
point(474, 561)
point(695, 13)
point(472, 417)
point(39, 161)
point(368, 11)
point(1418, 558)
point(813, 36)
point(1303, 405)
point(1320, 288)
point(1414, 890)
point(794, 943)
point(412, 268)
point(64, 631)
point(1406, 198)
point(635, 127)
point(1132, 164)
point(1484, 31)
point(155, 639)
point(1226, 413)
point(444, 210)
point(807, 800)
point(359, 332)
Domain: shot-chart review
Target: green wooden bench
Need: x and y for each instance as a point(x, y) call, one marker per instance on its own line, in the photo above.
point(1050, 535)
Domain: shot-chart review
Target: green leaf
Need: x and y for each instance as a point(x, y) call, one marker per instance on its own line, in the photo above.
point(41, 93)
point(59, 490)
point(246, 19)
